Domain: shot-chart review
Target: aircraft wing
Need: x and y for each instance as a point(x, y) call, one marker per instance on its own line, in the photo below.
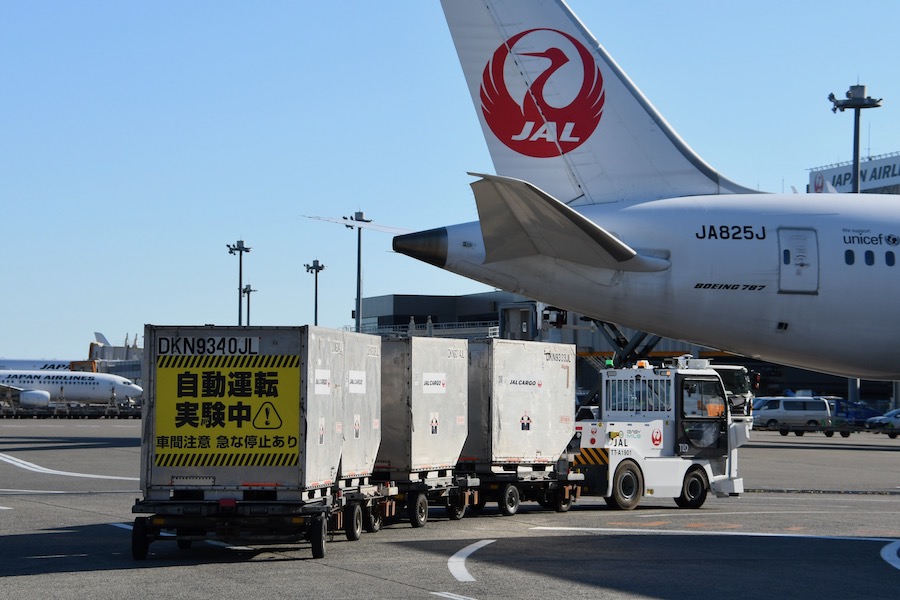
point(519, 219)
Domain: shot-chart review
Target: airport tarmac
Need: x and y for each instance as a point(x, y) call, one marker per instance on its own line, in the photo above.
point(821, 520)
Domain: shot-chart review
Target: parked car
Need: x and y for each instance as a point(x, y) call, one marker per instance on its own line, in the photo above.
point(888, 423)
point(792, 413)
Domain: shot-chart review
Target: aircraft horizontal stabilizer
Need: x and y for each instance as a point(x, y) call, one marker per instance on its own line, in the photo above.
point(518, 220)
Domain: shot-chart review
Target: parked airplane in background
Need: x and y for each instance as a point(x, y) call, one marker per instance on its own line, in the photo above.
point(601, 208)
point(22, 364)
point(40, 388)
point(40, 364)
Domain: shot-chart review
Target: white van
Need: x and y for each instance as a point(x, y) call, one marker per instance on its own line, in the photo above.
point(792, 413)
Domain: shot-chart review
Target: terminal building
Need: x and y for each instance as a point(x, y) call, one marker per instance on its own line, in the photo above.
point(877, 175)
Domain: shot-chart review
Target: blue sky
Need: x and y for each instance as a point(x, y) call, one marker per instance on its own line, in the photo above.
point(139, 138)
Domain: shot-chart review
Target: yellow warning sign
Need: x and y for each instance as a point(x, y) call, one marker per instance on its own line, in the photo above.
point(227, 411)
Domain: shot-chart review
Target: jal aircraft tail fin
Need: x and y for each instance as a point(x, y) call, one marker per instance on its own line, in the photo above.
point(558, 112)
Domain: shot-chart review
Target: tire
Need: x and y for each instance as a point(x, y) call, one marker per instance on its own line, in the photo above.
point(417, 510)
point(845, 434)
point(562, 502)
point(139, 539)
point(353, 521)
point(784, 432)
point(693, 490)
point(830, 433)
point(799, 432)
point(893, 436)
point(456, 510)
point(509, 500)
point(628, 485)
point(372, 519)
point(318, 531)
point(772, 424)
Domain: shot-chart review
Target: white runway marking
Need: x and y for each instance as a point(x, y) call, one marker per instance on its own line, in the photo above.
point(891, 554)
point(16, 462)
point(457, 562)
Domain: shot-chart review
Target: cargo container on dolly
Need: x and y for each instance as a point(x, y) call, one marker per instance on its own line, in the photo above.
point(244, 430)
point(521, 418)
point(425, 424)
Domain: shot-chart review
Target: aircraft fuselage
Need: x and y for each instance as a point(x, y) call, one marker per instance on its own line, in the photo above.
point(804, 280)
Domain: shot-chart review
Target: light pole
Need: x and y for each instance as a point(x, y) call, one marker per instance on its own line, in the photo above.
point(314, 268)
point(358, 217)
point(248, 291)
point(857, 100)
point(239, 248)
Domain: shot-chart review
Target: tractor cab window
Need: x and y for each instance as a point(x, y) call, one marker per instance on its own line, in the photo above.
point(702, 398)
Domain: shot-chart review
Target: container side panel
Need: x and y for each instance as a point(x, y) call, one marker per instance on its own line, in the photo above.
point(396, 414)
point(224, 408)
point(439, 391)
point(361, 394)
point(530, 389)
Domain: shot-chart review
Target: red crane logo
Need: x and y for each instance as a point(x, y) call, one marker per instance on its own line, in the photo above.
point(537, 128)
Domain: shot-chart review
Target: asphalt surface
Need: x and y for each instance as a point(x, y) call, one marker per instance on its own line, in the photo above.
point(821, 519)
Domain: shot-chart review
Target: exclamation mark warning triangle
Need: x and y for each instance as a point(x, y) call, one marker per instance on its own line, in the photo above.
point(267, 417)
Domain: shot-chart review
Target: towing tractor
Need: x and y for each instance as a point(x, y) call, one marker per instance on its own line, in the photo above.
point(664, 431)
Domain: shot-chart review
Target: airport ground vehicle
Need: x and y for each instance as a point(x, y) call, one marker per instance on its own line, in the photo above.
point(799, 414)
point(666, 431)
point(257, 434)
point(738, 386)
point(71, 410)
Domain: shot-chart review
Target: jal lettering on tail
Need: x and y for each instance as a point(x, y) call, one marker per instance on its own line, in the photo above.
point(536, 127)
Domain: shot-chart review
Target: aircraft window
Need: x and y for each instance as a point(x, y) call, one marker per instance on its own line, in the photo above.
point(870, 258)
point(849, 257)
point(889, 258)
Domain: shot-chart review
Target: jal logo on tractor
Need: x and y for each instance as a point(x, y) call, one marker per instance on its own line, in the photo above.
point(543, 120)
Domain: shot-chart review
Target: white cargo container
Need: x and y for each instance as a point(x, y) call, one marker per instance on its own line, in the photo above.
point(361, 400)
point(424, 406)
point(521, 402)
point(521, 418)
point(244, 430)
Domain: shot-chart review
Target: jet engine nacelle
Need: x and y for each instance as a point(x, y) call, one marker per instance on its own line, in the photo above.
point(34, 398)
